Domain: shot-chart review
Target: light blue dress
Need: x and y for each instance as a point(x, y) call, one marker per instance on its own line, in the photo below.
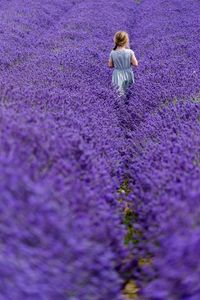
point(123, 75)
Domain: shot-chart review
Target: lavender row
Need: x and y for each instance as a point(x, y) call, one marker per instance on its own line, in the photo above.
point(61, 230)
point(162, 131)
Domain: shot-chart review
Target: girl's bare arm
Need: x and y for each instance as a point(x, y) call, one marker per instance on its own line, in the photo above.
point(134, 61)
point(110, 63)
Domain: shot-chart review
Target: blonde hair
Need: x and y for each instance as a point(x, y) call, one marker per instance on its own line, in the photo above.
point(121, 38)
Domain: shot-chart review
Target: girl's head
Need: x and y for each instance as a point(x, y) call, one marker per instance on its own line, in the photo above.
point(121, 39)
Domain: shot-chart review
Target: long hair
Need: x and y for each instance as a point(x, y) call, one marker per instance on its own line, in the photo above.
point(121, 38)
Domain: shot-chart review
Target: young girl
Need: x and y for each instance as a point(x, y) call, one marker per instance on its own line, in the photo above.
point(121, 58)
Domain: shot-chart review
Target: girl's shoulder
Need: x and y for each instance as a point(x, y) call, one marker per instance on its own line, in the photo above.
point(131, 51)
point(117, 52)
point(112, 52)
point(126, 50)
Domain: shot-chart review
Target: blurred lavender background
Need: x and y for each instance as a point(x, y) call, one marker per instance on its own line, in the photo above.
point(100, 198)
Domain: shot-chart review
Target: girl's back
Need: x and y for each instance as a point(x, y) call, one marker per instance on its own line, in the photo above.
point(122, 58)
point(123, 75)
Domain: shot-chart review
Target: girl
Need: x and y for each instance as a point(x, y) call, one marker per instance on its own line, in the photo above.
point(121, 58)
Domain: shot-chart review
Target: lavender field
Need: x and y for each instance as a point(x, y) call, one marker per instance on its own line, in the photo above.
point(100, 198)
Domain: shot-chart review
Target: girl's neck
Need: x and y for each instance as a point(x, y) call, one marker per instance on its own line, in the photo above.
point(121, 48)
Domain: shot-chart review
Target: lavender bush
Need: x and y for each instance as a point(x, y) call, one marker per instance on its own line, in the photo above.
point(98, 195)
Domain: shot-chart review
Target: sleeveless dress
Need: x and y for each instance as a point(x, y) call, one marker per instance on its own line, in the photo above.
point(123, 75)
